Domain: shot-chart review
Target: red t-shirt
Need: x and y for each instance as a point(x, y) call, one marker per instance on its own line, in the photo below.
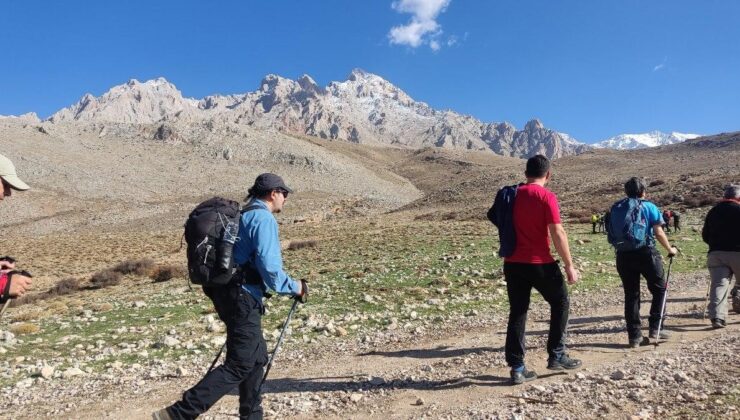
point(535, 208)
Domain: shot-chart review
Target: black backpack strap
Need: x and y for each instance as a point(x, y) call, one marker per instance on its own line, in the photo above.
point(252, 207)
point(249, 274)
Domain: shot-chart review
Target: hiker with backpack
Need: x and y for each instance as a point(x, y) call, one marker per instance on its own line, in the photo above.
point(667, 215)
point(594, 222)
point(257, 257)
point(605, 217)
point(527, 216)
point(13, 284)
point(634, 225)
point(721, 232)
point(676, 221)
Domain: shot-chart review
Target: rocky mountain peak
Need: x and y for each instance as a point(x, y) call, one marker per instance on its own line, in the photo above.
point(358, 74)
point(365, 108)
point(534, 125)
point(131, 102)
point(309, 85)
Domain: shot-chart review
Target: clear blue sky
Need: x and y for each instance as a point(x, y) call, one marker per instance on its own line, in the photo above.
point(589, 68)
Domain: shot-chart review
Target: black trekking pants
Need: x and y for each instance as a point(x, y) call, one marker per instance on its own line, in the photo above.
point(548, 280)
point(246, 355)
point(630, 266)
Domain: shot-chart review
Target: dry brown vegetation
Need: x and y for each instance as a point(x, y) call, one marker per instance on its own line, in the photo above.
point(140, 267)
point(105, 278)
point(167, 272)
point(300, 244)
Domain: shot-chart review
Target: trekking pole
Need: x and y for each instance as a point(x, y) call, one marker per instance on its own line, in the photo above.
point(274, 353)
point(5, 306)
point(665, 299)
point(218, 356)
point(706, 302)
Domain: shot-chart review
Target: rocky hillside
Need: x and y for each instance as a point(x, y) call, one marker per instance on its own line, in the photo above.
point(365, 108)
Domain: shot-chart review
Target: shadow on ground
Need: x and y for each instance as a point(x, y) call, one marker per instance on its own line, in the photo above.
point(349, 383)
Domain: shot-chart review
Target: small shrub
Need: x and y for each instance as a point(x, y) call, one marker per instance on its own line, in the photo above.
point(102, 307)
point(57, 308)
point(24, 328)
point(29, 315)
point(663, 200)
point(426, 216)
point(699, 200)
point(64, 287)
point(580, 214)
point(707, 201)
point(26, 299)
point(166, 273)
point(138, 267)
point(294, 245)
point(105, 278)
point(451, 216)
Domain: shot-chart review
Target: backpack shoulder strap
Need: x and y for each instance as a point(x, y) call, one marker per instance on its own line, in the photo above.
point(252, 207)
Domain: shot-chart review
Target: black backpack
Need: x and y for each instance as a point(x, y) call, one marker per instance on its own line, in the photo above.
point(210, 232)
point(501, 214)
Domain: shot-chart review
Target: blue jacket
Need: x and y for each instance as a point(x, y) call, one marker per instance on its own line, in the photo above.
point(501, 214)
point(258, 244)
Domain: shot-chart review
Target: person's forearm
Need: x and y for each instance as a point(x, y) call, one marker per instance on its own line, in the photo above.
point(277, 280)
point(560, 240)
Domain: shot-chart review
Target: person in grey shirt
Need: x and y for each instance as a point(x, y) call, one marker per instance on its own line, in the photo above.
point(722, 233)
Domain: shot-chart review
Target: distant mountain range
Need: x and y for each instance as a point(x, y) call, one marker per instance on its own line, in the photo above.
point(641, 141)
point(365, 108)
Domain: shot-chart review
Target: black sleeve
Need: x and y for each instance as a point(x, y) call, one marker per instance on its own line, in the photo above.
point(492, 214)
point(705, 229)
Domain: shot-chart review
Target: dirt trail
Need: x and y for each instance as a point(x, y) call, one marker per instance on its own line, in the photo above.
point(464, 375)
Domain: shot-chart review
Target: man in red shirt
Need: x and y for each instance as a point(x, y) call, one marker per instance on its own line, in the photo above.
point(536, 218)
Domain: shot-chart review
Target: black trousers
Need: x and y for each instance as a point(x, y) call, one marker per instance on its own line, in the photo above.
point(246, 355)
point(548, 280)
point(630, 266)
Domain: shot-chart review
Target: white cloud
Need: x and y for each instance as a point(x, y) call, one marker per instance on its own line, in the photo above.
point(423, 27)
point(660, 66)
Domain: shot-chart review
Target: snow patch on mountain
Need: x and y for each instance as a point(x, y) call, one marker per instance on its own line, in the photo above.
point(644, 140)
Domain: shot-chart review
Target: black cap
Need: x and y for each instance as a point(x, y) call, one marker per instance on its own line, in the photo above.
point(268, 182)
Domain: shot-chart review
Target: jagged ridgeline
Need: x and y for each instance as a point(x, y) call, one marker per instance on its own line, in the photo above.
point(365, 108)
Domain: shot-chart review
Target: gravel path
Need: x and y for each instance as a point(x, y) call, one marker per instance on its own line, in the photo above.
point(457, 371)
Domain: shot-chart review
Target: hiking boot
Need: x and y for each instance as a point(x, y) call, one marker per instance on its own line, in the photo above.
point(718, 323)
point(163, 414)
point(520, 377)
point(639, 341)
point(563, 362)
point(664, 335)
